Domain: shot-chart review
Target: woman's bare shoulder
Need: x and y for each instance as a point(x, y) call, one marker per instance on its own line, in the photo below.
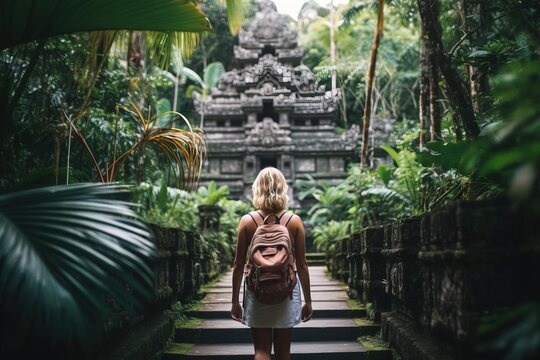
point(296, 221)
point(247, 221)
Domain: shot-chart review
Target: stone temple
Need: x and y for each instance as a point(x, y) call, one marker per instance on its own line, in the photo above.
point(272, 112)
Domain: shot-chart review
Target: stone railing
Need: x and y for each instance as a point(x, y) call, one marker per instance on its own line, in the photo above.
point(181, 266)
point(429, 280)
point(177, 267)
point(177, 277)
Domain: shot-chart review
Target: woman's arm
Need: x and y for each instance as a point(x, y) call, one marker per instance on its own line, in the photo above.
point(238, 267)
point(297, 228)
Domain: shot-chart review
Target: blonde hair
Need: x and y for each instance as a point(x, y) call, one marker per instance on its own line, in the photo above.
point(270, 191)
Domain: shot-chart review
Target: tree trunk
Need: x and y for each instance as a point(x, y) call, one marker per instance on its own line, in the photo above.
point(458, 94)
point(333, 46)
point(435, 111)
point(369, 85)
point(135, 53)
point(423, 102)
point(473, 15)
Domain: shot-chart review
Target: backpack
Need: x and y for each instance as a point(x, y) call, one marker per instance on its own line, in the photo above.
point(270, 270)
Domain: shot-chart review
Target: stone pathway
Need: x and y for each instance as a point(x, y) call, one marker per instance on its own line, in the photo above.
point(331, 334)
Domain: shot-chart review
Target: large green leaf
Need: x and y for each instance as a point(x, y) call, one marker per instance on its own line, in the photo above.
point(393, 153)
point(67, 253)
point(193, 76)
point(22, 21)
point(212, 74)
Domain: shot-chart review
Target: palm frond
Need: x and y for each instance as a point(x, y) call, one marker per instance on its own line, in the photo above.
point(163, 45)
point(63, 251)
point(43, 19)
point(236, 11)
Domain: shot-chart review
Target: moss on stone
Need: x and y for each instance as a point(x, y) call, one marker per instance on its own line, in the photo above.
point(355, 304)
point(179, 348)
point(371, 310)
point(364, 322)
point(372, 343)
point(207, 286)
point(194, 306)
point(188, 323)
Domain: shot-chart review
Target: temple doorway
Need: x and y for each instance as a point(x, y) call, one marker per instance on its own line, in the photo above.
point(268, 161)
point(268, 111)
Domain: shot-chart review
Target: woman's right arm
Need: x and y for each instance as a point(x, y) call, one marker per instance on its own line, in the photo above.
point(301, 264)
point(238, 267)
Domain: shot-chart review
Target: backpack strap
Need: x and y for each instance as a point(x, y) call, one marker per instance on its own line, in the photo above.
point(264, 219)
point(293, 240)
point(290, 217)
point(252, 218)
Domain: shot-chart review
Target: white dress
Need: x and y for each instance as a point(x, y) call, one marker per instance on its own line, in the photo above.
point(283, 315)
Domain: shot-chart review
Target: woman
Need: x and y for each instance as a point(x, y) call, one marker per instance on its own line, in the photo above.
point(271, 323)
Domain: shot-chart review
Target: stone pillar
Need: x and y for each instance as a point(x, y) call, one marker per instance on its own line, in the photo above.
point(286, 167)
point(355, 267)
point(177, 266)
point(343, 262)
point(193, 276)
point(404, 285)
point(209, 218)
point(373, 271)
point(162, 289)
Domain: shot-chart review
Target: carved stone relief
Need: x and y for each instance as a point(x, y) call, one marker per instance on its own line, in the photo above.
point(231, 166)
point(304, 165)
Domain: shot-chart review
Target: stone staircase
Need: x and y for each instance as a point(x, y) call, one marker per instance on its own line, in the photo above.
point(337, 323)
point(316, 259)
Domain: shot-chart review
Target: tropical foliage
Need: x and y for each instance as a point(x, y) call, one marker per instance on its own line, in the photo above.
point(75, 107)
point(477, 131)
point(67, 255)
point(171, 207)
point(396, 80)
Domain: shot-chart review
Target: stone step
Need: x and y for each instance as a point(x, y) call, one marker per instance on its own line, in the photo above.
point(230, 331)
point(316, 283)
point(332, 295)
point(316, 259)
point(224, 289)
point(315, 272)
point(316, 262)
point(222, 311)
point(315, 256)
point(332, 334)
point(324, 350)
point(317, 306)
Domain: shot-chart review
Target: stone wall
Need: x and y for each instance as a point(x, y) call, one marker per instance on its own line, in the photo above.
point(430, 279)
point(178, 276)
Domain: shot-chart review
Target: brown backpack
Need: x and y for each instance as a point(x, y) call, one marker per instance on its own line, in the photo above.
point(270, 270)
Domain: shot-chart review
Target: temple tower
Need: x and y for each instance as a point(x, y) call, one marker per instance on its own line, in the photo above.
point(272, 112)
